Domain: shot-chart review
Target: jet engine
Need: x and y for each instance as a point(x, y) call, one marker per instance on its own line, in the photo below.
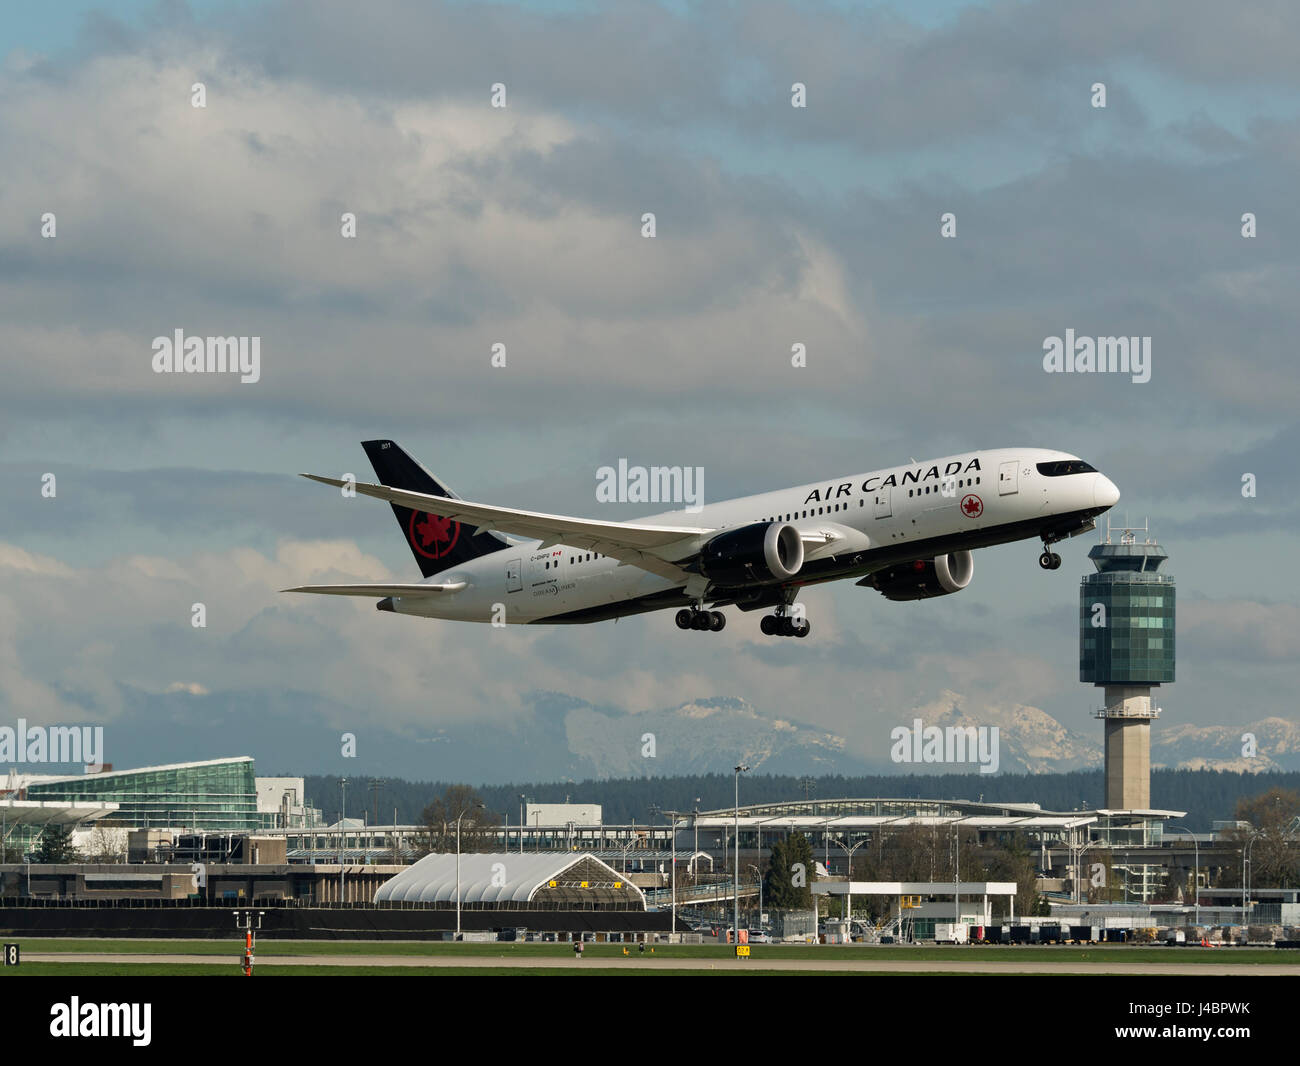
point(923, 578)
point(761, 553)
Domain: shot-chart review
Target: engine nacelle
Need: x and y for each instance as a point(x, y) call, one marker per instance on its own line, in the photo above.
point(919, 580)
point(762, 553)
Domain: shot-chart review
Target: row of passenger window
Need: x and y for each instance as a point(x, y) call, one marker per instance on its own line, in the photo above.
point(579, 558)
point(794, 516)
point(962, 483)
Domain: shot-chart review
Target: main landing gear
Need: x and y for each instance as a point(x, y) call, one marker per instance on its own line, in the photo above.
point(782, 625)
point(1049, 560)
point(694, 618)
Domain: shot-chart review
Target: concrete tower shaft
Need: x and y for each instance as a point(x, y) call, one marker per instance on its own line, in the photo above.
point(1128, 714)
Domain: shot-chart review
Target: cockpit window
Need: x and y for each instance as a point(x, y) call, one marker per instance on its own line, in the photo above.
point(1065, 466)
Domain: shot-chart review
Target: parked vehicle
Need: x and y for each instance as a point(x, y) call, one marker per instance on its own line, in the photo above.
point(950, 932)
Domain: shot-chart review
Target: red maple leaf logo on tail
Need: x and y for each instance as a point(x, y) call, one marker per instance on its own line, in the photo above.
point(434, 536)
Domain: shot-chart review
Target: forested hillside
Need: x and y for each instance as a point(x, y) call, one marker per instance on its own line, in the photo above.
point(1205, 795)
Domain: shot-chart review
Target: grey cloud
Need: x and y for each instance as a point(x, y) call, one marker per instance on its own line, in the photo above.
point(669, 351)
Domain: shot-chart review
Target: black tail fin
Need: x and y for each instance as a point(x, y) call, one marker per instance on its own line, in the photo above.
point(437, 543)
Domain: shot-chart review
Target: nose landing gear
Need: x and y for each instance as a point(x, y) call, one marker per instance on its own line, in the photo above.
point(1049, 560)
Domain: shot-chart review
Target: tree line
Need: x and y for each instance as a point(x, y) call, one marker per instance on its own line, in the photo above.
point(1207, 795)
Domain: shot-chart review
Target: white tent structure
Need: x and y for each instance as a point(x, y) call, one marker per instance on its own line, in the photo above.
point(511, 881)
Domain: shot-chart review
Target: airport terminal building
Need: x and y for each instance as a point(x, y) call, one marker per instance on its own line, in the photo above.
point(209, 796)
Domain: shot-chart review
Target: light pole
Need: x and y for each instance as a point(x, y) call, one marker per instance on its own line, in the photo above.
point(376, 786)
point(1245, 870)
point(696, 823)
point(522, 823)
point(1196, 877)
point(956, 874)
point(848, 906)
point(735, 895)
point(1077, 850)
point(655, 812)
point(476, 806)
point(672, 859)
point(343, 831)
point(809, 785)
point(758, 876)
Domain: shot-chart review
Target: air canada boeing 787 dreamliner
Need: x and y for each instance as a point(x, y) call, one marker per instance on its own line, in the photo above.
point(906, 531)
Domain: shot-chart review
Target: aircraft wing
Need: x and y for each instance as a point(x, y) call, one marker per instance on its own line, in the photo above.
point(635, 544)
point(381, 590)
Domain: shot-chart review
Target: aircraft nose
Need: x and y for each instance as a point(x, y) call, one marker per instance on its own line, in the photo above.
point(1104, 492)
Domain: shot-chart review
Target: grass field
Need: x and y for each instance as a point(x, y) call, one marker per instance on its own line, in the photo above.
point(162, 969)
point(279, 951)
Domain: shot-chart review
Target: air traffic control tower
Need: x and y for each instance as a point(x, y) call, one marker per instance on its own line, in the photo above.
point(1126, 646)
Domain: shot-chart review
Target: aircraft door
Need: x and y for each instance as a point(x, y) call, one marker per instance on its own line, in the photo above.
point(1007, 477)
point(882, 502)
point(514, 580)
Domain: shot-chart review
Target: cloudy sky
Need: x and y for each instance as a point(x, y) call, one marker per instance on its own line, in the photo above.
point(522, 225)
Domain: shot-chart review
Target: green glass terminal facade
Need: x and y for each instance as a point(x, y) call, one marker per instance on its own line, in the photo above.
point(218, 795)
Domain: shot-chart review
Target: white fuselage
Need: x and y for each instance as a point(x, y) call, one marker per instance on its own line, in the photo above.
point(910, 511)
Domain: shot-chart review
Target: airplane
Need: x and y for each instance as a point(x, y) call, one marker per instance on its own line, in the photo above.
point(907, 531)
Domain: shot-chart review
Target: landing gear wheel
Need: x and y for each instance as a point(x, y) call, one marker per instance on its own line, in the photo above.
point(684, 619)
point(1056, 561)
point(717, 621)
point(701, 620)
point(782, 625)
point(1045, 560)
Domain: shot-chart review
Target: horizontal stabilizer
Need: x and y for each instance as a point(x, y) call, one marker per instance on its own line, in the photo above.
point(398, 591)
